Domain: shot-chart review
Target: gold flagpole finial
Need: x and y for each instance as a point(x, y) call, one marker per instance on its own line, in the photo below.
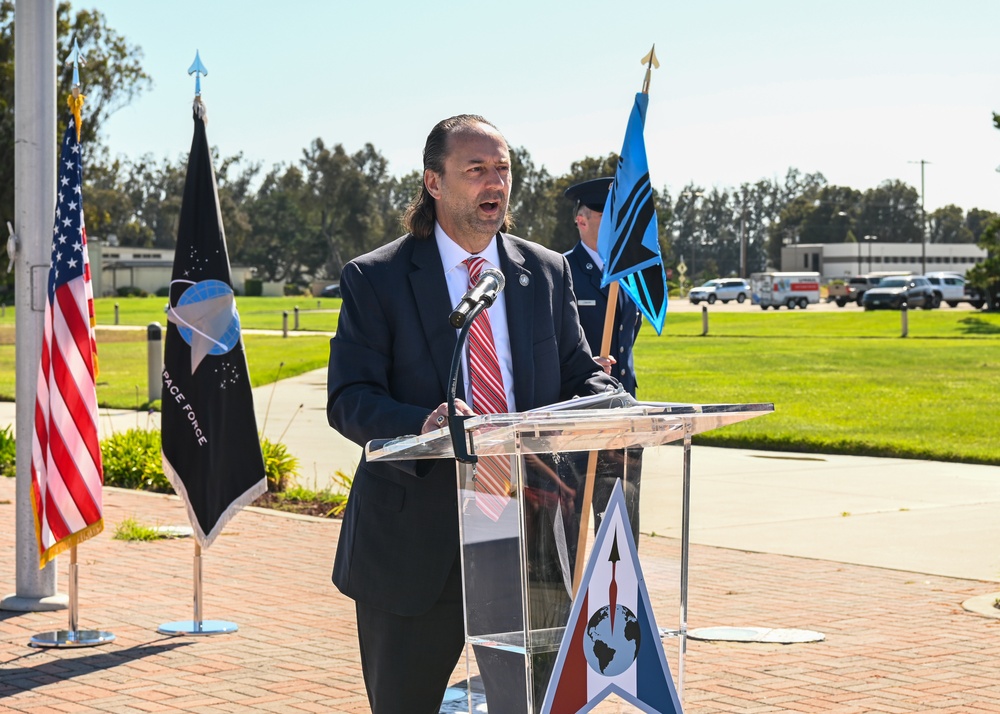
point(650, 61)
point(75, 100)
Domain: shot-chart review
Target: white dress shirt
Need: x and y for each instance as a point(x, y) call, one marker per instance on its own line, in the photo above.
point(457, 275)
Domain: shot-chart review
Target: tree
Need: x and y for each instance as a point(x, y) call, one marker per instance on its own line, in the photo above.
point(977, 219)
point(947, 225)
point(279, 246)
point(892, 212)
point(342, 197)
point(792, 202)
point(112, 78)
point(532, 199)
point(834, 212)
point(563, 234)
point(986, 275)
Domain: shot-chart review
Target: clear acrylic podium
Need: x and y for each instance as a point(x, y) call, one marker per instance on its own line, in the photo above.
point(518, 569)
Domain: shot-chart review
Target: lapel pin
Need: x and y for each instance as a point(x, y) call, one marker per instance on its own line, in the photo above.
point(523, 280)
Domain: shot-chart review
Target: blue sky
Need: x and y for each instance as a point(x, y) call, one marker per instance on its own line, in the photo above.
point(855, 89)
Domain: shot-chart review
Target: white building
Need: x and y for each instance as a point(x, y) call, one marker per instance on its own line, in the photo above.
point(149, 269)
point(842, 260)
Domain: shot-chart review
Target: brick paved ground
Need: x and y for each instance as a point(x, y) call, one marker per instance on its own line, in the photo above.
point(895, 641)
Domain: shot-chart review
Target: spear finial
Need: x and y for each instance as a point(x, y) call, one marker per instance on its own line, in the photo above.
point(650, 61)
point(75, 100)
point(199, 71)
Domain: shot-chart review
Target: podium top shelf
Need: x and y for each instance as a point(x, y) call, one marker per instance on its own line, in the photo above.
point(563, 427)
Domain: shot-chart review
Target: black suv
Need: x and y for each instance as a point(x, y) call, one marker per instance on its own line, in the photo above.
point(895, 291)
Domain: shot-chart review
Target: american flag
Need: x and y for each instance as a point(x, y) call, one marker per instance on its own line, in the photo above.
point(66, 471)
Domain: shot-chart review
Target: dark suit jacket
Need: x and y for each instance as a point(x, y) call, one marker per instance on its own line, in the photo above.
point(592, 303)
point(389, 364)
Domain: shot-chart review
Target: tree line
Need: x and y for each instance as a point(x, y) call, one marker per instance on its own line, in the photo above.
point(303, 220)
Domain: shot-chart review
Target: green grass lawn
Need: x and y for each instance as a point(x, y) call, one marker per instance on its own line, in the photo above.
point(122, 360)
point(842, 381)
point(257, 313)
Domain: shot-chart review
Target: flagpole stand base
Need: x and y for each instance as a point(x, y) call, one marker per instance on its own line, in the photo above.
point(71, 638)
point(203, 627)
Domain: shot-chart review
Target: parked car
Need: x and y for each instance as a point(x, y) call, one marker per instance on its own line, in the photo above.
point(724, 289)
point(330, 291)
point(894, 292)
point(952, 289)
point(851, 290)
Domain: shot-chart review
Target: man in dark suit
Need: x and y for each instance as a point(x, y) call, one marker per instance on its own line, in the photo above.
point(398, 553)
point(592, 301)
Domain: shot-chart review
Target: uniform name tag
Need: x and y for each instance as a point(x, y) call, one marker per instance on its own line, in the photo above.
point(587, 303)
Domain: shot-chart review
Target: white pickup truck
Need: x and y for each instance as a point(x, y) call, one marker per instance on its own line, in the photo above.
point(951, 288)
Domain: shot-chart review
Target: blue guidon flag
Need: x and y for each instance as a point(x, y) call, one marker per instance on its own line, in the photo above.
point(628, 237)
point(612, 644)
point(211, 449)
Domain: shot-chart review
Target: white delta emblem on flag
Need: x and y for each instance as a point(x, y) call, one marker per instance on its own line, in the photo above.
point(612, 644)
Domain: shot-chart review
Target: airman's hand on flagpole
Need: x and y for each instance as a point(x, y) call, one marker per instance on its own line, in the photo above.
point(606, 363)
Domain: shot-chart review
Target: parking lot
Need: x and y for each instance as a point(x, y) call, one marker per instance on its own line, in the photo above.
point(678, 304)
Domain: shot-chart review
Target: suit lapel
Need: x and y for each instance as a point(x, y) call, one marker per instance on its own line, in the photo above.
point(519, 298)
point(431, 293)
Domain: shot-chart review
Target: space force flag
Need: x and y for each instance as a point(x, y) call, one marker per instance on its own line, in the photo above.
point(611, 644)
point(628, 237)
point(211, 450)
point(66, 471)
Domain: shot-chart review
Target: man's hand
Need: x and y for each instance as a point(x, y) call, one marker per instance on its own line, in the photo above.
point(438, 419)
point(606, 363)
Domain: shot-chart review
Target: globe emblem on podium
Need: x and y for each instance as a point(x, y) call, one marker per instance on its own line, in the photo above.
point(611, 652)
point(229, 336)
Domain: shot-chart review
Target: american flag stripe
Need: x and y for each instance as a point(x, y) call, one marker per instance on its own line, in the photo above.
point(80, 400)
point(66, 471)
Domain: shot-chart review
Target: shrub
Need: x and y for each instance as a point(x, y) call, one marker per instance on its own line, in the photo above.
point(8, 452)
point(132, 460)
point(131, 291)
point(163, 292)
point(280, 466)
point(254, 287)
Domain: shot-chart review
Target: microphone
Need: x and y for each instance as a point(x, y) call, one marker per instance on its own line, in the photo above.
point(484, 292)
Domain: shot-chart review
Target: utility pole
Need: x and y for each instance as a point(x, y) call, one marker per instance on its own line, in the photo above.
point(743, 237)
point(923, 218)
point(694, 196)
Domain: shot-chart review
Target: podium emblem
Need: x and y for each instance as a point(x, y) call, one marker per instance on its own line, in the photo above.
point(611, 644)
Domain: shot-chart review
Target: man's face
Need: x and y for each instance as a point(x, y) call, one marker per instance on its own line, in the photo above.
point(588, 221)
point(472, 193)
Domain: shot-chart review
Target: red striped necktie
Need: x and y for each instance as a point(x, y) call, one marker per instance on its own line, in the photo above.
point(492, 475)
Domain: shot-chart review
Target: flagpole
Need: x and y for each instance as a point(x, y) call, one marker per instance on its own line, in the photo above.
point(197, 626)
point(35, 157)
point(72, 637)
point(609, 327)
